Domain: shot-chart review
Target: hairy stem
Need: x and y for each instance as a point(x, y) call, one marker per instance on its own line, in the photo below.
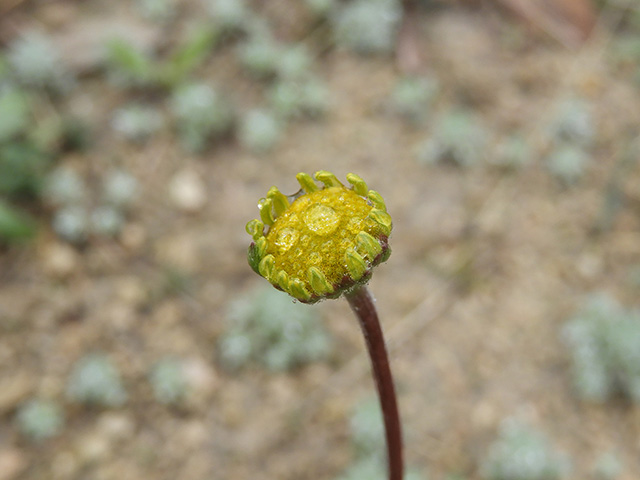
point(362, 305)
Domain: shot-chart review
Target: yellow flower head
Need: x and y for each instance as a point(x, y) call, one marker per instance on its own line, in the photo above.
point(322, 241)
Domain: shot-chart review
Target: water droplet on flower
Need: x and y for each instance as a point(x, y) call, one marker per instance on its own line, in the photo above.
point(321, 219)
point(286, 238)
point(355, 225)
point(315, 258)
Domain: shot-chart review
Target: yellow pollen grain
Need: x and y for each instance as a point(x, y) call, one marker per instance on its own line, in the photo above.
point(316, 230)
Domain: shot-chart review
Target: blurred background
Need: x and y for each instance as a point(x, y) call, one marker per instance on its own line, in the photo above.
point(136, 138)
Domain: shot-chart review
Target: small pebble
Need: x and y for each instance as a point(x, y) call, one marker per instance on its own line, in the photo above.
point(93, 448)
point(12, 463)
point(187, 191)
point(133, 236)
point(179, 252)
point(59, 260)
point(14, 389)
point(131, 290)
point(64, 465)
point(200, 376)
point(116, 426)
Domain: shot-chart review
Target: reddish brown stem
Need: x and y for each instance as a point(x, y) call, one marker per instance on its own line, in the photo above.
point(362, 305)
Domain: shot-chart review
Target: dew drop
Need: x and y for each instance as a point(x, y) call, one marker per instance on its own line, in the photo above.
point(321, 219)
point(315, 258)
point(355, 224)
point(286, 238)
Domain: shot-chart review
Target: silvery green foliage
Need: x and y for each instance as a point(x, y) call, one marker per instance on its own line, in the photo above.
point(567, 163)
point(106, 220)
point(129, 65)
point(522, 453)
point(457, 137)
point(229, 14)
point(136, 122)
point(66, 190)
point(4, 70)
point(168, 381)
point(260, 55)
point(294, 62)
point(268, 328)
point(367, 26)
point(608, 467)
point(35, 62)
point(40, 419)
point(316, 98)
point(622, 348)
point(412, 97)
point(22, 170)
point(512, 152)
point(119, 188)
point(259, 131)
point(573, 122)
point(201, 114)
point(373, 468)
point(298, 98)
point(15, 225)
point(258, 28)
point(157, 10)
point(367, 428)
point(571, 130)
point(71, 222)
point(368, 438)
point(14, 112)
point(585, 334)
point(320, 7)
point(412, 474)
point(370, 468)
point(64, 186)
point(633, 277)
point(95, 380)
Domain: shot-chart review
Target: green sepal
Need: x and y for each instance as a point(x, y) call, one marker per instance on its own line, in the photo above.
point(255, 228)
point(328, 178)
point(307, 183)
point(359, 185)
point(279, 201)
point(253, 257)
point(355, 264)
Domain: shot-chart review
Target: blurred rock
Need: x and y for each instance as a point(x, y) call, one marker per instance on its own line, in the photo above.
point(282, 391)
point(14, 302)
point(12, 463)
point(59, 260)
point(116, 426)
point(167, 313)
point(93, 448)
point(590, 266)
point(64, 465)
point(82, 42)
point(179, 252)
point(133, 236)
point(485, 415)
point(568, 21)
point(187, 191)
point(193, 434)
point(14, 390)
point(56, 14)
point(130, 289)
point(200, 376)
point(120, 315)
